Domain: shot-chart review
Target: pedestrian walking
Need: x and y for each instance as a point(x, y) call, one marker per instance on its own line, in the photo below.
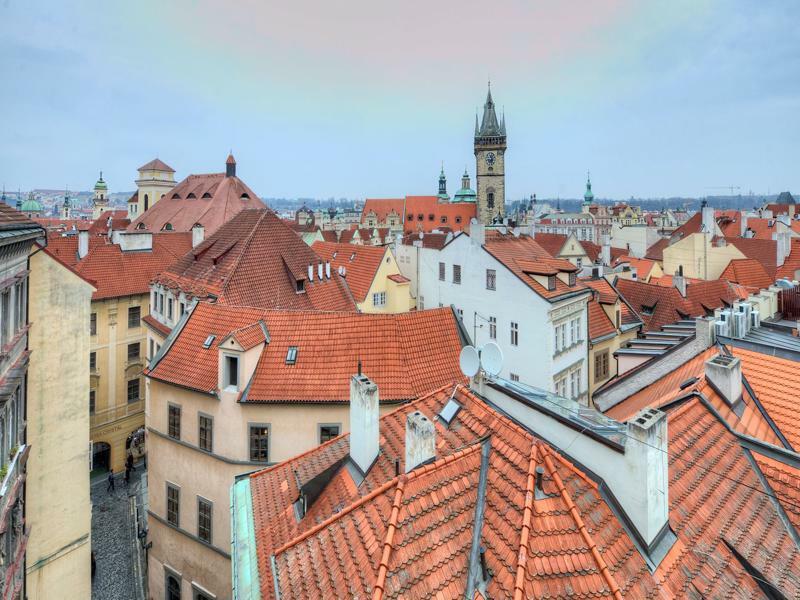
point(110, 486)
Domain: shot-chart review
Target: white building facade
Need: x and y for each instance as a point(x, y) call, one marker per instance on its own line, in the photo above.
point(543, 339)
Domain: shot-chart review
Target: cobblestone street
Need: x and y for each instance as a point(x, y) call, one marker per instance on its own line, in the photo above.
point(112, 538)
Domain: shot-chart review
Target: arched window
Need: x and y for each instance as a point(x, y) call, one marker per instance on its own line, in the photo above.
point(173, 588)
point(244, 196)
point(490, 197)
point(176, 196)
point(167, 227)
point(140, 226)
point(146, 202)
point(206, 195)
point(191, 196)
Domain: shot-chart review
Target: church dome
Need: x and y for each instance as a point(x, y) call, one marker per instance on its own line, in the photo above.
point(100, 185)
point(31, 205)
point(465, 195)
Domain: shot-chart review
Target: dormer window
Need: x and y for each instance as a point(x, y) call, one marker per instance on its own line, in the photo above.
point(573, 279)
point(231, 373)
point(301, 286)
point(291, 355)
point(551, 283)
point(191, 196)
point(176, 196)
point(244, 196)
point(206, 195)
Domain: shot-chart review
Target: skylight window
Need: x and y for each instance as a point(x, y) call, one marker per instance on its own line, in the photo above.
point(291, 355)
point(209, 340)
point(449, 411)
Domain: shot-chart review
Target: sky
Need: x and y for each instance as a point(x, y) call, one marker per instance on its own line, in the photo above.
point(365, 98)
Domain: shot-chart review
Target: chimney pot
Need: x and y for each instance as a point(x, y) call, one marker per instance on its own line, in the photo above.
point(364, 414)
point(420, 440)
point(725, 374)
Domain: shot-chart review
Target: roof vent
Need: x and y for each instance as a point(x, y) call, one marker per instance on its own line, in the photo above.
point(209, 340)
point(291, 355)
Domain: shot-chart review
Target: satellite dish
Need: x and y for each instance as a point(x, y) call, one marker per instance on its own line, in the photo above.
point(469, 361)
point(492, 359)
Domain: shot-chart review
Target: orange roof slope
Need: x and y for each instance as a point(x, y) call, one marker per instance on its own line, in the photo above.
point(656, 251)
point(747, 272)
point(255, 259)
point(523, 256)
point(156, 165)
point(791, 265)
point(764, 251)
point(382, 207)
point(361, 264)
point(407, 536)
point(407, 354)
point(116, 273)
point(643, 266)
point(657, 305)
point(119, 220)
point(551, 242)
point(210, 200)
point(11, 218)
point(599, 323)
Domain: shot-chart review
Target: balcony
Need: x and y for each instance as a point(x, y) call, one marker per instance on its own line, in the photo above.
point(109, 415)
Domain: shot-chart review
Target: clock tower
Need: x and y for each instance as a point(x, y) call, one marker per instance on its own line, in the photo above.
point(490, 150)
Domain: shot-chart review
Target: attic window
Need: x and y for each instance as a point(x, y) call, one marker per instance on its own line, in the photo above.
point(140, 226)
point(191, 196)
point(648, 310)
point(301, 286)
point(410, 217)
point(551, 282)
point(335, 252)
point(244, 196)
point(291, 355)
point(167, 227)
point(209, 340)
point(353, 256)
point(176, 196)
point(206, 195)
point(420, 217)
point(449, 411)
point(458, 219)
point(431, 217)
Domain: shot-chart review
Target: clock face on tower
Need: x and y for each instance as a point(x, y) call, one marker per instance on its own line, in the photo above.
point(490, 158)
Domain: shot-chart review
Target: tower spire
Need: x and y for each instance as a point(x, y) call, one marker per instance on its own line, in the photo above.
point(443, 197)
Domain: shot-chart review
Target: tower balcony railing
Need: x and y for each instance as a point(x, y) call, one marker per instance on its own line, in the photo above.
point(109, 415)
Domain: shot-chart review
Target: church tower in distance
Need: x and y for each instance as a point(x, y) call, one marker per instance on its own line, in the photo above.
point(490, 150)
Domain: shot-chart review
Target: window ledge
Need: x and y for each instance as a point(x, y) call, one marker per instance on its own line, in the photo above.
point(568, 348)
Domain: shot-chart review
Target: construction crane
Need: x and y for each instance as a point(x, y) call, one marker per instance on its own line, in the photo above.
point(725, 187)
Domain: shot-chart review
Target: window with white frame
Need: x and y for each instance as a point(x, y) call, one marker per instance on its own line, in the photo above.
point(379, 299)
point(514, 333)
point(231, 372)
point(492, 328)
point(491, 279)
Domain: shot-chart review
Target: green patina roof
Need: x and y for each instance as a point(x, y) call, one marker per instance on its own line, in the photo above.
point(465, 195)
point(31, 205)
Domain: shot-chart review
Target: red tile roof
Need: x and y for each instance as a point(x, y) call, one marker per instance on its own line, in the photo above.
point(599, 323)
point(407, 354)
point(524, 257)
point(210, 200)
point(157, 325)
point(54, 223)
point(791, 265)
point(116, 273)
point(383, 207)
point(656, 251)
point(747, 272)
point(409, 535)
point(398, 278)
point(457, 214)
point(119, 221)
point(361, 264)
point(785, 484)
point(255, 259)
point(156, 165)
point(551, 242)
point(437, 241)
point(764, 251)
point(643, 266)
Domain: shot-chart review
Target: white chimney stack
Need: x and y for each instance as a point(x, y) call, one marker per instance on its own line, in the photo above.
point(83, 244)
point(724, 373)
point(420, 440)
point(198, 234)
point(646, 455)
point(709, 222)
point(310, 273)
point(477, 233)
point(605, 251)
point(743, 224)
point(679, 282)
point(319, 271)
point(364, 414)
point(328, 269)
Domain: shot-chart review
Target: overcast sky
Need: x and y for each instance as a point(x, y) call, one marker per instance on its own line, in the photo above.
point(365, 98)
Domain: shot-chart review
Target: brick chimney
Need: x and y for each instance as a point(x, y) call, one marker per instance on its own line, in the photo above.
point(420, 440)
point(364, 414)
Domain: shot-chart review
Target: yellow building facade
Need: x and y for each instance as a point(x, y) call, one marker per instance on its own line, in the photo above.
point(58, 505)
point(390, 291)
point(116, 360)
point(698, 257)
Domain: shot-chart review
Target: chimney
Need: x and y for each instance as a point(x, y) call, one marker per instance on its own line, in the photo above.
point(327, 269)
point(704, 331)
point(198, 234)
point(709, 223)
point(742, 224)
point(364, 413)
point(605, 250)
point(420, 440)
point(131, 241)
point(230, 166)
point(724, 373)
point(477, 233)
point(319, 271)
point(648, 460)
point(679, 281)
point(83, 244)
point(310, 273)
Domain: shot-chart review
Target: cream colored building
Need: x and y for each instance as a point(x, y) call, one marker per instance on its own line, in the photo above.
point(699, 257)
point(156, 178)
point(58, 504)
point(236, 389)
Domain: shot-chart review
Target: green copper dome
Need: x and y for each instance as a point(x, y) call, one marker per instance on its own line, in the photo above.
point(31, 205)
point(100, 185)
point(465, 194)
point(588, 197)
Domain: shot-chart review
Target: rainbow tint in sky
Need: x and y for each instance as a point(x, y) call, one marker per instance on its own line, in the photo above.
point(364, 98)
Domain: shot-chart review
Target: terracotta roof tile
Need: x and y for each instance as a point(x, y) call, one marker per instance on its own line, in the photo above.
point(457, 214)
point(747, 272)
point(407, 354)
point(116, 273)
point(255, 259)
point(657, 305)
point(210, 200)
point(156, 165)
point(764, 251)
point(791, 265)
point(599, 323)
point(656, 251)
point(11, 218)
point(119, 221)
point(643, 265)
point(361, 264)
point(409, 536)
